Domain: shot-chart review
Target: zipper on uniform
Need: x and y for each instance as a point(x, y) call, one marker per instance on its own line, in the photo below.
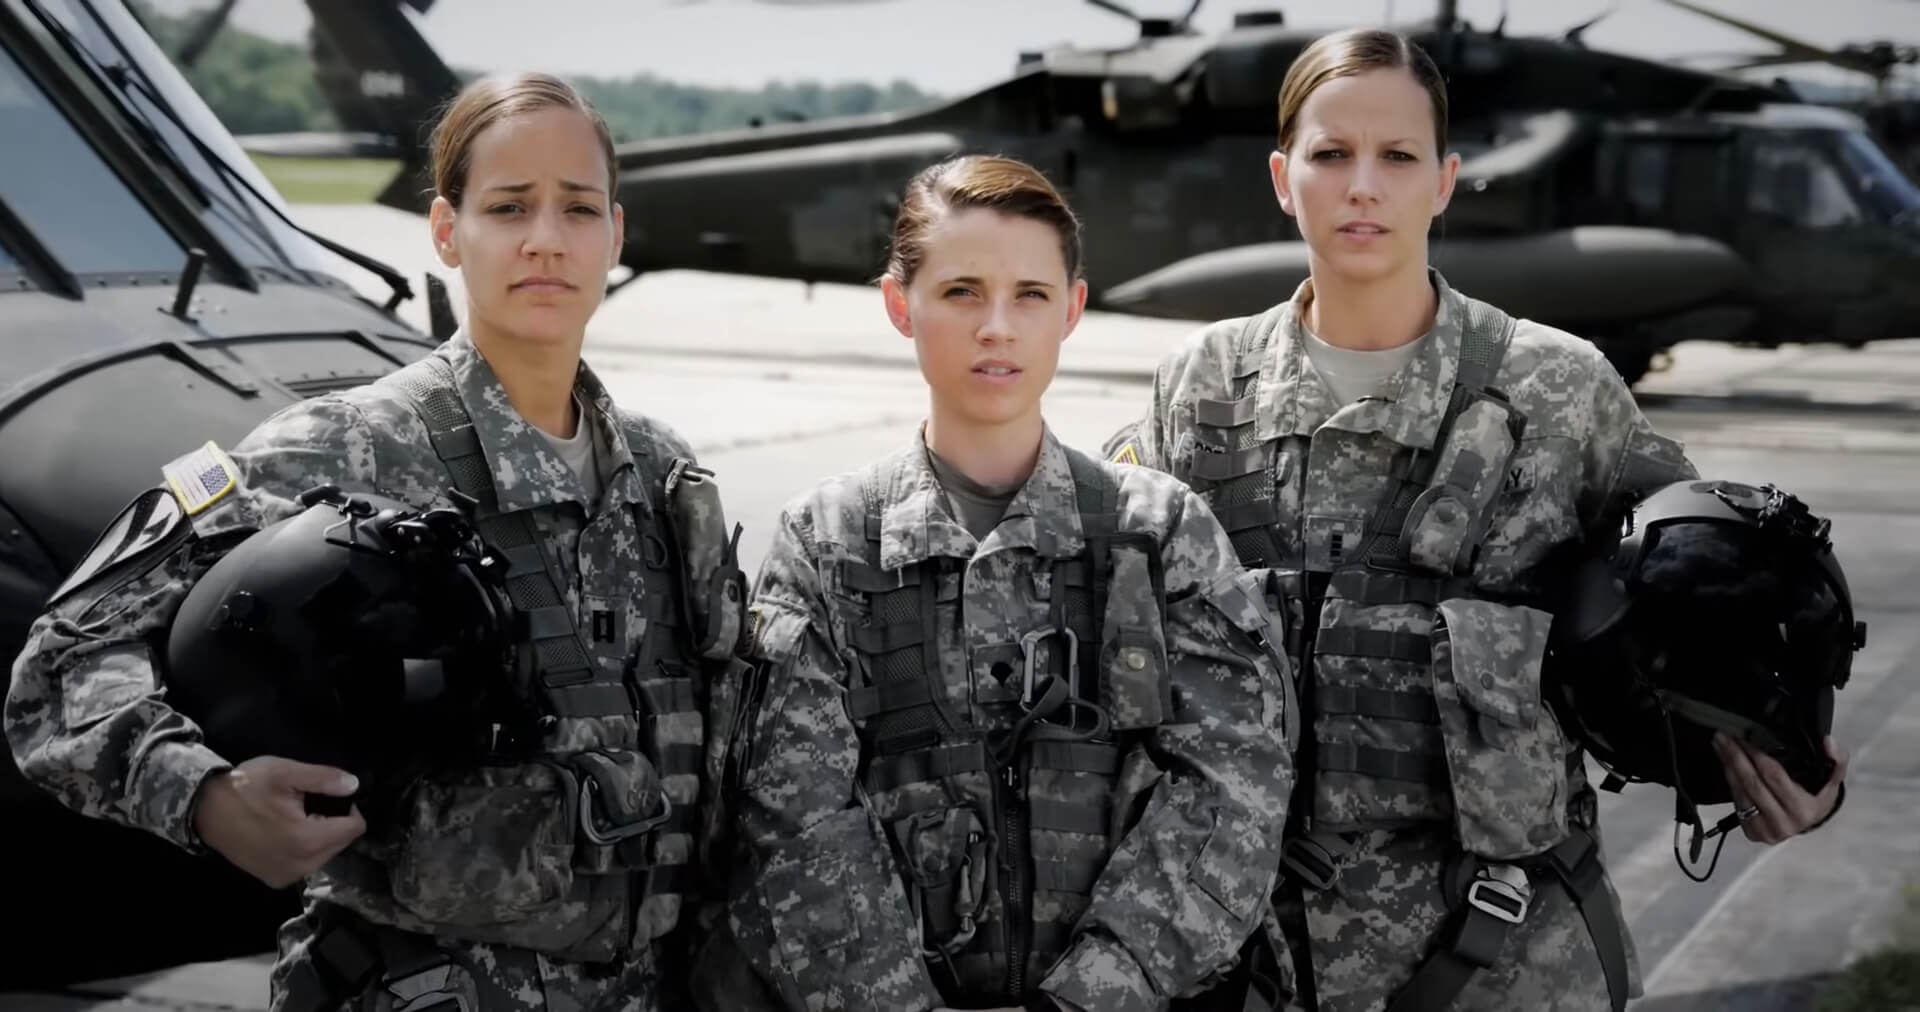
point(1013, 878)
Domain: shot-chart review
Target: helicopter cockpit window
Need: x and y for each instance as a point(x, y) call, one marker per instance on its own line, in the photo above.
point(1796, 183)
point(1892, 196)
point(154, 88)
point(65, 195)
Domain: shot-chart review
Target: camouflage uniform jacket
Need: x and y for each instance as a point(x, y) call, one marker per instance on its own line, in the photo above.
point(1429, 732)
point(491, 859)
point(861, 852)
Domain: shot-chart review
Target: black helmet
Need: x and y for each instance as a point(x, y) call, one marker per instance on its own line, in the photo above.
point(1720, 608)
point(358, 633)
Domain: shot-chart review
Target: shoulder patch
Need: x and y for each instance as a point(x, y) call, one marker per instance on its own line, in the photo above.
point(1126, 454)
point(147, 524)
point(199, 479)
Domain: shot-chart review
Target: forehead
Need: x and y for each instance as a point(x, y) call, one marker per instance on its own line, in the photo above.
point(987, 243)
point(1383, 99)
point(552, 142)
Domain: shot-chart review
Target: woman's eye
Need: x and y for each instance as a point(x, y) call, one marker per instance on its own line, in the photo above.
point(1036, 293)
point(503, 209)
point(586, 209)
point(959, 290)
point(1328, 154)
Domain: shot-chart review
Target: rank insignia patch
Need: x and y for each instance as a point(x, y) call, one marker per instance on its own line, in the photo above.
point(200, 478)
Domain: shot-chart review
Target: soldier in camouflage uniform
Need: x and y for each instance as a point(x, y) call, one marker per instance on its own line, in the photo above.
point(1017, 739)
point(1402, 463)
point(524, 883)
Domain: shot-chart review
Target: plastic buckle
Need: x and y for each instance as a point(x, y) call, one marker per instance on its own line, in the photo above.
point(1501, 891)
point(1310, 863)
point(1028, 652)
point(429, 990)
point(590, 827)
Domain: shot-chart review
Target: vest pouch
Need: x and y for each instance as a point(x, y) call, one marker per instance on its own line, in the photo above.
point(1376, 756)
point(946, 868)
point(1134, 684)
point(1506, 754)
point(1445, 525)
point(621, 803)
point(493, 845)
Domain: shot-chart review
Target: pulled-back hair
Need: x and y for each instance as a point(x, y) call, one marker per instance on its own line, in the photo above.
point(1006, 185)
point(491, 99)
point(1352, 52)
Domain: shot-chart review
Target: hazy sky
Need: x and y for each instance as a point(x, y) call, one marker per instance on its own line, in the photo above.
point(954, 46)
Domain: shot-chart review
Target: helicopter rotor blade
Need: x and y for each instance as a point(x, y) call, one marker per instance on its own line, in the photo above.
point(1787, 42)
point(204, 33)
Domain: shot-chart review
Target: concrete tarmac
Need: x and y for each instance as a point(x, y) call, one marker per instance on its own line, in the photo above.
point(778, 385)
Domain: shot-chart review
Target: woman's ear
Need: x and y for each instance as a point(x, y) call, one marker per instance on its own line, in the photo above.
point(440, 222)
point(1076, 306)
point(1282, 187)
point(894, 294)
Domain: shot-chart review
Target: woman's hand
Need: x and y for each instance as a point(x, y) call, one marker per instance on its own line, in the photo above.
point(1773, 807)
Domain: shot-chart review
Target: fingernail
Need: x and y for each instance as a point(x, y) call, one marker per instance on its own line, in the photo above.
point(349, 783)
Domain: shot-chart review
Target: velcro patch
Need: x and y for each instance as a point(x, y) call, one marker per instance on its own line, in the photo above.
point(200, 478)
point(147, 523)
point(1126, 455)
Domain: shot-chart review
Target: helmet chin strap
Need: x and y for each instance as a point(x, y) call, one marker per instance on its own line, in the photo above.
point(1686, 813)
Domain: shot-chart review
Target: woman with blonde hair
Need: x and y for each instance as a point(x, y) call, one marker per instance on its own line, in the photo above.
point(1400, 461)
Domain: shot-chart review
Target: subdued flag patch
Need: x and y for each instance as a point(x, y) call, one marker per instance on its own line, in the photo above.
point(1126, 454)
point(200, 478)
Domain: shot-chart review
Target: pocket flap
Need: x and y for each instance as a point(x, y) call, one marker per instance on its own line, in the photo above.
point(776, 631)
point(1494, 651)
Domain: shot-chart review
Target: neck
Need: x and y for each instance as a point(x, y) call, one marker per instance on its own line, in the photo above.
point(1372, 315)
point(997, 456)
point(538, 378)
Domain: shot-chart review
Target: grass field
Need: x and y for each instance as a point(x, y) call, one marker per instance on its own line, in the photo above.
point(327, 180)
point(1887, 980)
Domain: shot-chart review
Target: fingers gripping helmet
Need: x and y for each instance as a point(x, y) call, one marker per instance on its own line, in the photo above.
point(359, 634)
point(1721, 608)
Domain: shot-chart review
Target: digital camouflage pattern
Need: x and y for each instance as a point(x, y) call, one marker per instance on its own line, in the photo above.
point(1425, 731)
point(489, 857)
point(1198, 707)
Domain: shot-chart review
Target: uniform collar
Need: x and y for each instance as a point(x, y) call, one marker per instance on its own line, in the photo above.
point(527, 471)
point(917, 521)
point(1408, 406)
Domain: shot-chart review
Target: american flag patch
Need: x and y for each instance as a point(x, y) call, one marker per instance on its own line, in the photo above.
point(1126, 455)
point(200, 478)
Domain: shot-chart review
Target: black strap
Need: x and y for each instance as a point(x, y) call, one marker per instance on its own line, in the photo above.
point(1484, 341)
point(1223, 414)
point(1382, 764)
point(1398, 646)
point(1470, 942)
point(348, 954)
point(1415, 707)
point(564, 663)
point(1473, 937)
point(1576, 863)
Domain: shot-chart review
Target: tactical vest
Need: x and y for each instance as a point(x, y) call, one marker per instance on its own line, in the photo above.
point(1424, 698)
point(618, 731)
point(1000, 834)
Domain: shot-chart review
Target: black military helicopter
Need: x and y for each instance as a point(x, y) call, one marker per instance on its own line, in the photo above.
point(1893, 118)
point(154, 295)
point(1635, 203)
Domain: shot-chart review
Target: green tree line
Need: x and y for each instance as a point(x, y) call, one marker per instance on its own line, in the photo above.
point(259, 85)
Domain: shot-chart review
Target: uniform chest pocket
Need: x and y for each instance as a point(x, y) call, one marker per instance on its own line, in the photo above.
point(1505, 752)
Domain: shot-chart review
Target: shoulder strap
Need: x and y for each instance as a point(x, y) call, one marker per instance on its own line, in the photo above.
point(551, 647)
point(1484, 339)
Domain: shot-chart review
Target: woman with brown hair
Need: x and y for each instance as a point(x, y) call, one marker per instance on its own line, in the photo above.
point(1015, 739)
point(1400, 461)
point(550, 871)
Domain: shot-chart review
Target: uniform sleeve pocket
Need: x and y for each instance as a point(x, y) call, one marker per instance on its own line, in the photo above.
point(807, 891)
point(1133, 666)
point(1236, 866)
point(1506, 755)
